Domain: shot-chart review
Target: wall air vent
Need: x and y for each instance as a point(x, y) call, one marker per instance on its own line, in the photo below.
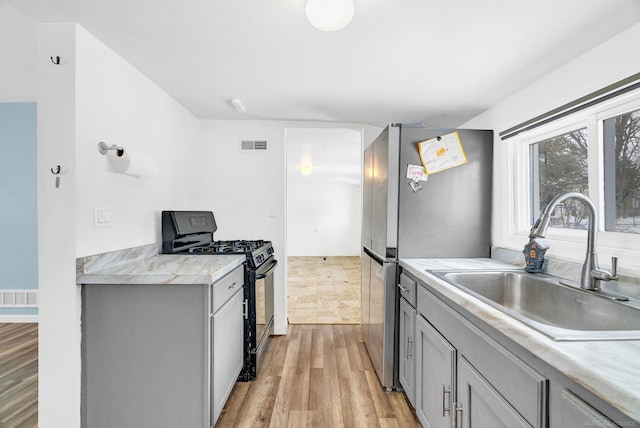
point(254, 145)
point(19, 298)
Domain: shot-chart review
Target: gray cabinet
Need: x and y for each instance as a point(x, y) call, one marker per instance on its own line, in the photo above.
point(464, 378)
point(450, 387)
point(435, 376)
point(227, 342)
point(155, 355)
point(465, 364)
point(406, 347)
point(407, 369)
point(478, 404)
point(489, 383)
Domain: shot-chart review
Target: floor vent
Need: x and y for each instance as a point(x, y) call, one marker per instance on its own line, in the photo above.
point(18, 298)
point(255, 145)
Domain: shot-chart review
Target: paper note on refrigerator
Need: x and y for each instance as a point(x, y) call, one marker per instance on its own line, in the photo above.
point(416, 173)
point(441, 153)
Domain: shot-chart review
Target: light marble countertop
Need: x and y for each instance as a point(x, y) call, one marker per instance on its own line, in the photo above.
point(142, 265)
point(609, 369)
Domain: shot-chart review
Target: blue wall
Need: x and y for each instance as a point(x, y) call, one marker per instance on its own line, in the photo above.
point(18, 199)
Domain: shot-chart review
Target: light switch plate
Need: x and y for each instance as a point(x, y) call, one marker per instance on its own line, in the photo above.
point(101, 216)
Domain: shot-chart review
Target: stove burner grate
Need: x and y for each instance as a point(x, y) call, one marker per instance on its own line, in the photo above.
point(229, 247)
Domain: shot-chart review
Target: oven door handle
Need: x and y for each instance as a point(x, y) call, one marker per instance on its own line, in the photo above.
point(262, 275)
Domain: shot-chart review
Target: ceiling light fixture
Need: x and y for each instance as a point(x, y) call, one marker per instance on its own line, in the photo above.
point(237, 104)
point(306, 169)
point(330, 15)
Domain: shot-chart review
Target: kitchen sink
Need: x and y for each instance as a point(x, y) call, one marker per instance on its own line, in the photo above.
point(559, 311)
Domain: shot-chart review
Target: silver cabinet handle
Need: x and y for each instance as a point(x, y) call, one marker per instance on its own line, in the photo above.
point(454, 416)
point(402, 288)
point(408, 351)
point(233, 285)
point(444, 392)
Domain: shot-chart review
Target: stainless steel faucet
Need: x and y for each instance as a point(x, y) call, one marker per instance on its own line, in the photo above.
point(591, 275)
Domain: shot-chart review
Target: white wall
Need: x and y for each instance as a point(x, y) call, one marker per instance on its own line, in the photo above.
point(118, 105)
point(18, 55)
point(605, 64)
point(323, 218)
point(242, 188)
point(92, 96)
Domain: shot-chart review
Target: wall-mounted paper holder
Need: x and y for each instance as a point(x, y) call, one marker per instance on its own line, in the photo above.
point(104, 149)
point(125, 161)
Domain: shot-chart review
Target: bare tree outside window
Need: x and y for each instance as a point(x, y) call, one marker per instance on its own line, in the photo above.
point(622, 172)
point(559, 165)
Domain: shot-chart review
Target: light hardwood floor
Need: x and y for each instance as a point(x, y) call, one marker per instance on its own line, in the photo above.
point(323, 290)
point(316, 376)
point(18, 375)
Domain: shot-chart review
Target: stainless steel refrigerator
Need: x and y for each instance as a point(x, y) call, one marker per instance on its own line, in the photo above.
point(449, 217)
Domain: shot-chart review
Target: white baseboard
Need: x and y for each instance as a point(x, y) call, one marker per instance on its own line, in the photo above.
point(6, 319)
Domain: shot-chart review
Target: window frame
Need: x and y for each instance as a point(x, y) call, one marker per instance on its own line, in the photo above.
point(570, 244)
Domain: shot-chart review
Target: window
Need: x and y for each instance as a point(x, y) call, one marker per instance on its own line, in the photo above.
point(559, 165)
point(596, 152)
point(621, 156)
point(559, 162)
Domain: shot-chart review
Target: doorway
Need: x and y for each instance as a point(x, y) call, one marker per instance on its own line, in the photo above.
point(323, 224)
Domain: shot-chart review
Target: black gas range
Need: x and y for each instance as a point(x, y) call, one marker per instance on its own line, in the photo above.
point(191, 232)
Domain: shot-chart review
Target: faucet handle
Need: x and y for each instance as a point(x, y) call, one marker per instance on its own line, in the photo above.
point(603, 275)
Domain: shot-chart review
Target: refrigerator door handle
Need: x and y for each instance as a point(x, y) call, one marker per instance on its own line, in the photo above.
point(374, 256)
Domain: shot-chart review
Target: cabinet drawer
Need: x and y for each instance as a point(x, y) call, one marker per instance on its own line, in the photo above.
point(524, 388)
point(226, 287)
point(407, 288)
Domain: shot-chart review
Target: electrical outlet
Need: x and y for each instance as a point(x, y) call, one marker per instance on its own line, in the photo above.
point(101, 216)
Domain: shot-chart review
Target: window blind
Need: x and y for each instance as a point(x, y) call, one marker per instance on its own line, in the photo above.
point(611, 91)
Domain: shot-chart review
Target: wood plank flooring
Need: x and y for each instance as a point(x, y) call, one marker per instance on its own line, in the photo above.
point(18, 375)
point(316, 376)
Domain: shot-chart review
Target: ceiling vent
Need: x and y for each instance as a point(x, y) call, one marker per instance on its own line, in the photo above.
point(254, 145)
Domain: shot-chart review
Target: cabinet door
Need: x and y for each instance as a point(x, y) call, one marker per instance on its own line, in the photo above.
point(406, 351)
point(479, 404)
point(227, 352)
point(435, 376)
